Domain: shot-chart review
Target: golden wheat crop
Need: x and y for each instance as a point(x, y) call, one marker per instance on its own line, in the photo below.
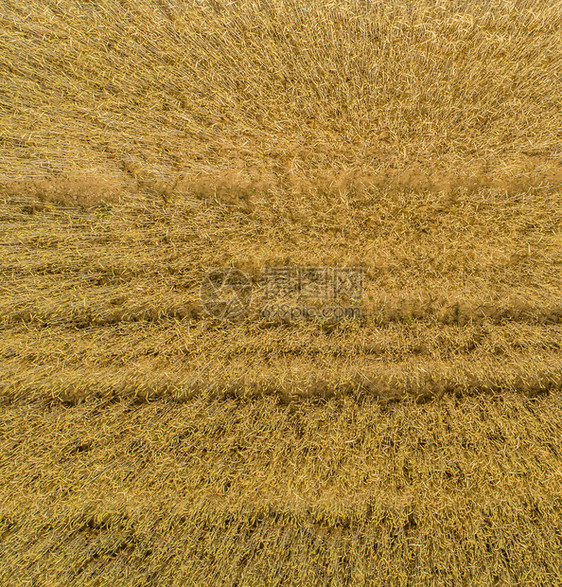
point(143, 144)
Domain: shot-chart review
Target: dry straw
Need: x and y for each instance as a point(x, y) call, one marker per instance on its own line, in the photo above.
point(144, 442)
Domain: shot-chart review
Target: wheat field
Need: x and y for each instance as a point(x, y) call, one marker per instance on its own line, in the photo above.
point(148, 441)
